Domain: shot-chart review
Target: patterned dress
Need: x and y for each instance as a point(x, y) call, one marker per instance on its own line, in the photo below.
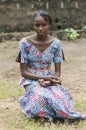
point(53, 101)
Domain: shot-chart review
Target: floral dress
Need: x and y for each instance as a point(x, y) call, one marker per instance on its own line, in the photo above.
point(52, 101)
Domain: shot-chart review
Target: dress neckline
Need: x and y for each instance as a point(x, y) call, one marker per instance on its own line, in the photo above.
point(28, 41)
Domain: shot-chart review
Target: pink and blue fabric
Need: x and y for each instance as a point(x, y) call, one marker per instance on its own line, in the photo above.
point(53, 101)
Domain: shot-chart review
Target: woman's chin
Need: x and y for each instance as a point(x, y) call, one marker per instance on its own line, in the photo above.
point(41, 34)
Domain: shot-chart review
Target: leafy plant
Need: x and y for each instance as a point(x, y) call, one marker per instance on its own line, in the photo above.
point(84, 28)
point(71, 33)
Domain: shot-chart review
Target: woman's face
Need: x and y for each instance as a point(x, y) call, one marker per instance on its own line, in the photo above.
point(41, 26)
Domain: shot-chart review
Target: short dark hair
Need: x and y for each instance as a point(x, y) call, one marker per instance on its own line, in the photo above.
point(45, 15)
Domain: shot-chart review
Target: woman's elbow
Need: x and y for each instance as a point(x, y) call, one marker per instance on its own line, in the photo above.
point(23, 74)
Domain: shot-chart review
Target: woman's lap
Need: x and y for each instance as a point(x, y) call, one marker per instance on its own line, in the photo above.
point(51, 101)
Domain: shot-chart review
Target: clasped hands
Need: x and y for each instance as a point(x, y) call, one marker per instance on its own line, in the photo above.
point(50, 80)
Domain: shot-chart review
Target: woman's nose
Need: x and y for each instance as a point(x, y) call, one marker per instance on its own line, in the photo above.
point(40, 27)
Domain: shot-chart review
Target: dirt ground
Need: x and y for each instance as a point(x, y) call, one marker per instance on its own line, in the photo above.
point(73, 74)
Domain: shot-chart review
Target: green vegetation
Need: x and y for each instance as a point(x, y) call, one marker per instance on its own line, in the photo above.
point(72, 34)
point(9, 89)
point(84, 28)
point(79, 105)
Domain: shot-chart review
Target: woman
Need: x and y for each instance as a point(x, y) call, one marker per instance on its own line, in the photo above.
point(44, 96)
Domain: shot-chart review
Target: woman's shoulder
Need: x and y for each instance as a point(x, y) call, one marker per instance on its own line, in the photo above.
point(57, 40)
point(56, 43)
point(22, 40)
point(24, 43)
point(26, 38)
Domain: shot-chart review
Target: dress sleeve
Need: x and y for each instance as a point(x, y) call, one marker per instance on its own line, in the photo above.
point(58, 56)
point(23, 54)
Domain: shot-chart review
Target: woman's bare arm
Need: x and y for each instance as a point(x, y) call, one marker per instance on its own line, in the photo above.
point(57, 73)
point(26, 74)
point(58, 69)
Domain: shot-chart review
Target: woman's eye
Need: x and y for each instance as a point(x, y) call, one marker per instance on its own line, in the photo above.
point(38, 25)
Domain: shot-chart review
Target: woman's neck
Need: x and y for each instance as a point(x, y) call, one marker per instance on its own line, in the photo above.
point(47, 39)
point(42, 38)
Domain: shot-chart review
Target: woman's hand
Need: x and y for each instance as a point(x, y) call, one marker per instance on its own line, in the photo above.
point(44, 83)
point(53, 79)
point(58, 80)
point(50, 80)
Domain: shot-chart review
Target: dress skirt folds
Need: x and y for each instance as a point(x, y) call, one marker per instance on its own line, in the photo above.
point(53, 101)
